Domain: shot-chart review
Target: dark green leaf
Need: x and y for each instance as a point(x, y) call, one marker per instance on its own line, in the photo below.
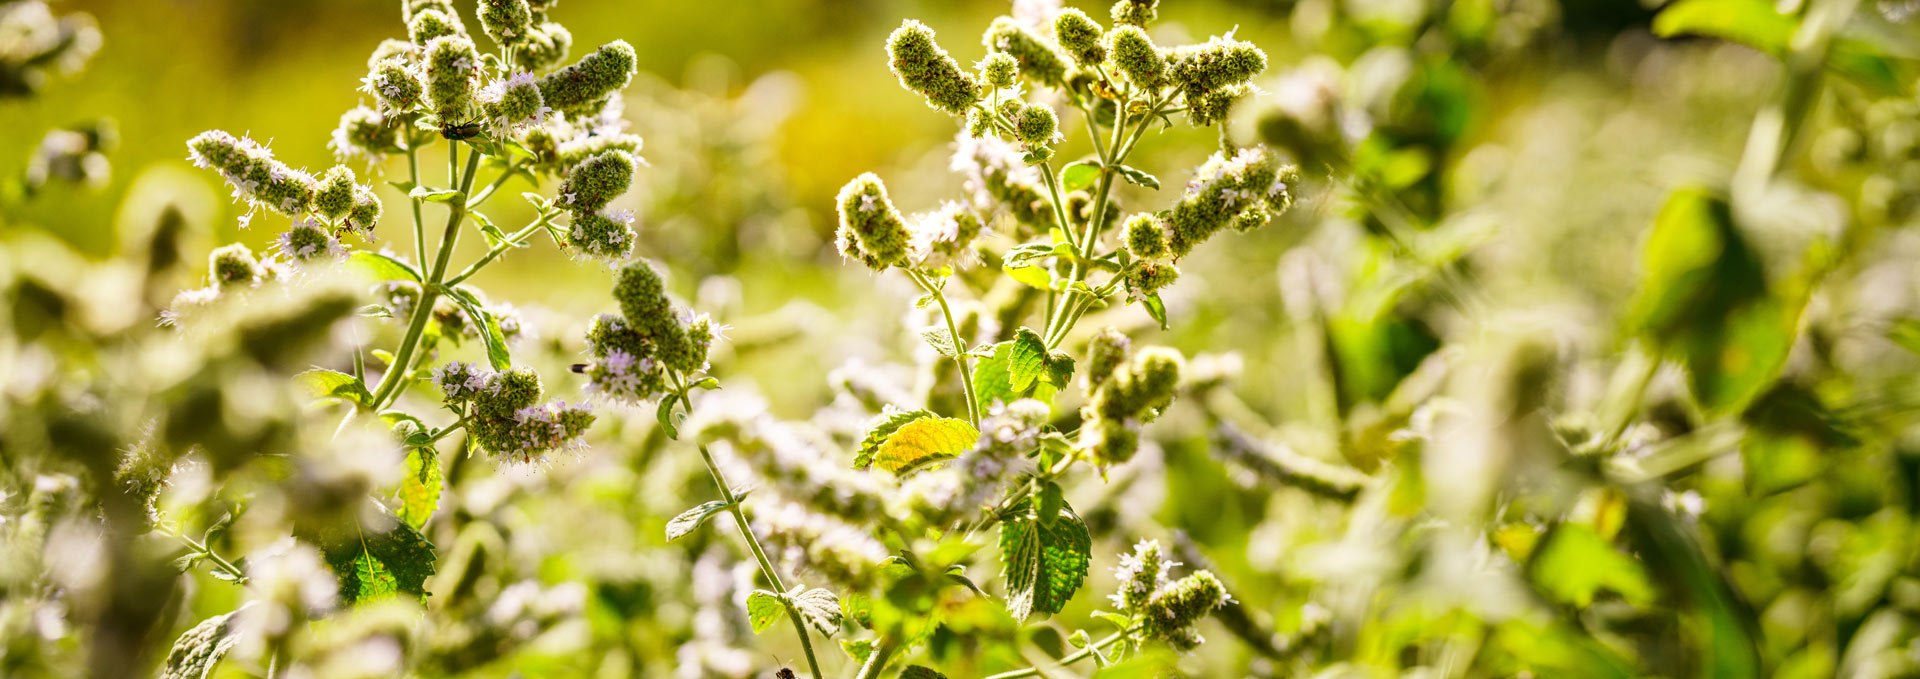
point(665, 415)
point(1044, 564)
point(399, 551)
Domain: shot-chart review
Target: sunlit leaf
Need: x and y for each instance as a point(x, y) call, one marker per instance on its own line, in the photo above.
point(1044, 562)
point(691, 520)
point(763, 607)
point(420, 487)
point(924, 441)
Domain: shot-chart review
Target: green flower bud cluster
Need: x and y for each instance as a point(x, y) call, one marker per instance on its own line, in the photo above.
point(1147, 276)
point(507, 417)
point(253, 172)
point(607, 233)
point(334, 195)
point(395, 84)
point(584, 87)
point(514, 102)
point(1037, 126)
point(453, 68)
point(1079, 35)
point(1038, 58)
point(925, 68)
point(1105, 352)
point(579, 148)
point(596, 181)
point(405, 52)
point(999, 70)
point(1243, 191)
point(1214, 73)
point(1136, 57)
point(1001, 181)
point(1171, 613)
point(1146, 237)
point(942, 237)
point(1135, 12)
point(233, 264)
point(306, 240)
point(1141, 574)
point(871, 230)
point(432, 23)
point(366, 133)
point(1132, 393)
point(508, 22)
point(634, 351)
point(545, 47)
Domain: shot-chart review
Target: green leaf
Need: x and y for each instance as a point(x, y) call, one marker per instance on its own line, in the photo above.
point(374, 579)
point(858, 649)
point(924, 441)
point(495, 237)
point(877, 434)
point(1044, 563)
point(691, 520)
point(1038, 277)
point(1021, 368)
point(1155, 308)
point(664, 414)
point(820, 608)
point(940, 340)
point(437, 195)
point(1754, 23)
point(497, 354)
point(420, 488)
point(1138, 176)
point(763, 607)
point(198, 650)
point(1079, 175)
point(404, 186)
point(383, 266)
point(399, 550)
point(323, 384)
point(1906, 333)
point(1027, 360)
point(920, 672)
point(1574, 564)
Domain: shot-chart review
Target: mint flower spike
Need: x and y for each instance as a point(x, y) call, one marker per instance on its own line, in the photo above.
point(364, 133)
point(233, 265)
point(607, 234)
point(596, 181)
point(514, 103)
point(1145, 384)
point(1243, 191)
point(999, 70)
point(334, 197)
point(1136, 57)
point(366, 210)
point(306, 240)
point(1173, 611)
point(452, 66)
point(1105, 352)
point(642, 297)
point(395, 84)
point(508, 22)
point(403, 51)
point(924, 68)
point(1148, 276)
point(1140, 574)
point(871, 230)
point(429, 24)
point(1037, 126)
point(1038, 58)
point(1135, 12)
point(252, 172)
point(1079, 35)
point(582, 88)
point(1146, 237)
point(546, 46)
point(1217, 63)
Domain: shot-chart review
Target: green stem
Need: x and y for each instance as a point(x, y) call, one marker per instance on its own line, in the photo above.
point(512, 241)
point(419, 225)
point(239, 576)
point(882, 653)
point(430, 292)
point(1070, 659)
point(512, 170)
point(959, 345)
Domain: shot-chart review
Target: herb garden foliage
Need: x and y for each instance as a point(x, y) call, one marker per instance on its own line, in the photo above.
point(338, 456)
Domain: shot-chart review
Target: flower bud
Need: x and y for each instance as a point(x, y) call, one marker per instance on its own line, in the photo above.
point(607, 233)
point(398, 50)
point(1148, 276)
point(642, 296)
point(1222, 189)
point(428, 25)
point(923, 67)
point(395, 85)
point(871, 230)
point(452, 65)
point(508, 22)
point(366, 210)
point(514, 102)
point(1038, 58)
point(596, 181)
point(1037, 125)
point(1135, 12)
point(1145, 384)
point(233, 265)
point(1214, 105)
point(1172, 612)
point(306, 240)
point(978, 125)
point(546, 47)
point(253, 172)
point(334, 196)
point(583, 88)
point(1105, 353)
point(1146, 236)
point(460, 382)
point(1214, 64)
point(1079, 37)
point(999, 70)
point(1136, 57)
point(365, 133)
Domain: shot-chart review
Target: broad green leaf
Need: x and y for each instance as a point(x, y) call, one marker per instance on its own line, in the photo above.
point(1079, 175)
point(820, 608)
point(925, 441)
point(1027, 360)
point(883, 427)
point(1138, 176)
point(1020, 368)
point(420, 488)
point(497, 354)
point(198, 650)
point(402, 553)
point(323, 383)
point(691, 520)
point(858, 649)
point(1754, 23)
point(374, 579)
point(1044, 563)
point(1038, 277)
point(857, 608)
point(1575, 563)
point(763, 607)
point(384, 267)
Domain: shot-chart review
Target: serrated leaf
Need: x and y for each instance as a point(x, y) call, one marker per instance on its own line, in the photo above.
point(1138, 176)
point(940, 340)
point(1079, 175)
point(763, 607)
point(495, 237)
point(1043, 564)
point(820, 608)
point(323, 383)
point(691, 520)
point(1021, 368)
point(858, 608)
point(877, 434)
point(858, 649)
point(400, 550)
point(497, 354)
point(199, 649)
point(925, 441)
point(384, 267)
point(420, 487)
point(376, 582)
point(1026, 360)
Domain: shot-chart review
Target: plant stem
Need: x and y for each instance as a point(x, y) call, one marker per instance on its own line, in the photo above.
point(1070, 659)
point(239, 576)
point(959, 345)
point(429, 292)
point(876, 663)
point(511, 242)
point(419, 226)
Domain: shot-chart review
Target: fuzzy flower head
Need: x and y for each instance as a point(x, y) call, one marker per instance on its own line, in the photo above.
point(1037, 126)
point(508, 22)
point(1215, 64)
point(306, 240)
point(1109, 442)
point(573, 151)
point(365, 133)
point(642, 296)
point(607, 234)
point(514, 103)
point(252, 171)
point(1135, 12)
point(233, 265)
point(1172, 612)
point(999, 70)
point(395, 84)
point(460, 382)
point(871, 230)
point(625, 368)
point(1251, 181)
point(1000, 180)
point(452, 67)
point(1213, 106)
point(365, 212)
point(1079, 35)
point(433, 24)
point(1146, 237)
point(335, 195)
point(1038, 58)
point(1136, 57)
point(1105, 353)
point(405, 53)
point(582, 88)
point(545, 47)
point(925, 68)
point(1141, 574)
point(1144, 385)
point(943, 236)
point(596, 181)
point(1148, 276)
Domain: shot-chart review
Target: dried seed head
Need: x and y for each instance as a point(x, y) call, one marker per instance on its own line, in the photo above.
point(1079, 36)
point(508, 22)
point(452, 66)
point(1135, 12)
point(1037, 125)
point(395, 85)
point(233, 265)
point(871, 230)
point(923, 67)
point(1146, 236)
point(999, 70)
point(334, 197)
point(1038, 58)
point(1135, 56)
point(596, 181)
point(583, 88)
point(607, 234)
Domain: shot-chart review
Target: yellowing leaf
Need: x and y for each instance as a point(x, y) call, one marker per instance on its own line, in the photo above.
point(925, 441)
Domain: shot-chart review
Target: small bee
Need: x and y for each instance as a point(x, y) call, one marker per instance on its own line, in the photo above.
point(784, 673)
point(460, 131)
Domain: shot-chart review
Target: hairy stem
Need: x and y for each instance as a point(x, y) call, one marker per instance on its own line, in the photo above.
point(876, 663)
point(959, 345)
point(389, 387)
point(1069, 659)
